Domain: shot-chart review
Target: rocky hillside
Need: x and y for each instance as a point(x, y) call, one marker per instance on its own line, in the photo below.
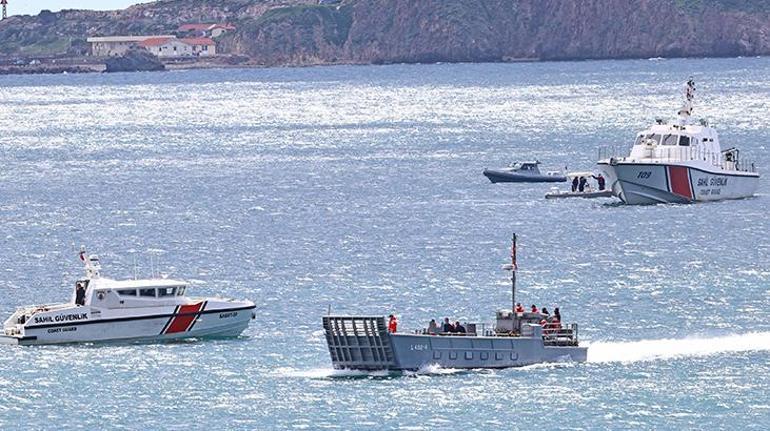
point(297, 32)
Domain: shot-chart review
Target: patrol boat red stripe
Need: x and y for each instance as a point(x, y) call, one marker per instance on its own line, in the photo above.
point(680, 181)
point(185, 318)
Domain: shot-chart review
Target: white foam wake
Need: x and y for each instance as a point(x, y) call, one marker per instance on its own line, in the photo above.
point(649, 350)
point(326, 373)
point(433, 370)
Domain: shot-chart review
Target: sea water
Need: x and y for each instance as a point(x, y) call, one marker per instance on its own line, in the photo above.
point(359, 189)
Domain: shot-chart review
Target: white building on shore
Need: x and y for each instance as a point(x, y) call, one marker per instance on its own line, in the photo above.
point(173, 47)
point(117, 45)
point(162, 46)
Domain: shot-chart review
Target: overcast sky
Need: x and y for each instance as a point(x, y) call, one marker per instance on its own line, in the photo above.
point(33, 7)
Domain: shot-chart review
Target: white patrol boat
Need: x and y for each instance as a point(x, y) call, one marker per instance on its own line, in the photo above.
point(679, 163)
point(107, 310)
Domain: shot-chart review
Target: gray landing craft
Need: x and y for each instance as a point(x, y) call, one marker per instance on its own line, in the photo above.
point(517, 339)
point(524, 172)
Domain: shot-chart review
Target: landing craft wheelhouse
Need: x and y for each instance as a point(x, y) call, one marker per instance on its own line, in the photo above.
point(106, 310)
point(679, 162)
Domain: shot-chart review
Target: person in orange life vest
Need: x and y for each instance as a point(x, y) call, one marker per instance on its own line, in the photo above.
point(519, 308)
point(534, 309)
point(392, 324)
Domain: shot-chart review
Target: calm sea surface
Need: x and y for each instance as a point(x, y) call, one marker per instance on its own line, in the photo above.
point(360, 188)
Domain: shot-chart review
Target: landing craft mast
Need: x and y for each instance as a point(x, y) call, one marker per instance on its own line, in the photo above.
point(512, 267)
point(5, 8)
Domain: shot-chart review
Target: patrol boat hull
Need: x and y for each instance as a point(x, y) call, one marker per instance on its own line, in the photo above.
point(86, 324)
point(363, 343)
point(639, 183)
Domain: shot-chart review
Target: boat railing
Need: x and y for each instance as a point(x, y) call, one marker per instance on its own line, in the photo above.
point(554, 334)
point(557, 334)
point(607, 152)
point(681, 154)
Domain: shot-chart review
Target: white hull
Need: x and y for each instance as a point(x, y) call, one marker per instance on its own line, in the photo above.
point(640, 183)
point(177, 322)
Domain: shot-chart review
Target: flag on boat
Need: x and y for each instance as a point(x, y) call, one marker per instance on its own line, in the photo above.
point(513, 253)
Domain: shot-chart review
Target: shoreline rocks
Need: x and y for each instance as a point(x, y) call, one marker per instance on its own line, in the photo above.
point(134, 60)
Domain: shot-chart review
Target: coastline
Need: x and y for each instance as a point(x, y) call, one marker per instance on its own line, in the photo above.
point(87, 65)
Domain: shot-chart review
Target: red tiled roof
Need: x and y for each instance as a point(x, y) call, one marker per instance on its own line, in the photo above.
point(198, 41)
point(155, 41)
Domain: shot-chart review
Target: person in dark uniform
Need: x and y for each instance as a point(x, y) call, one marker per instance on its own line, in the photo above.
point(460, 329)
point(600, 180)
point(80, 294)
point(574, 184)
point(447, 326)
point(582, 184)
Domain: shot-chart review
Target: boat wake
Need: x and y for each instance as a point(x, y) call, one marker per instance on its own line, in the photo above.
point(434, 370)
point(330, 373)
point(668, 348)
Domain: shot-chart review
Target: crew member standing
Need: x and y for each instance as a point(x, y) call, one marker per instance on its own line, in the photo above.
point(600, 180)
point(80, 294)
point(392, 324)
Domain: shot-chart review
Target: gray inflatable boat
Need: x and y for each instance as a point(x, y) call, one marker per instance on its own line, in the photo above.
point(524, 172)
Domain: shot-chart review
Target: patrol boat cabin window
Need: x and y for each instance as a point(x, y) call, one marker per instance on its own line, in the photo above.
point(643, 138)
point(684, 141)
point(670, 139)
point(180, 290)
point(147, 293)
point(127, 292)
point(166, 291)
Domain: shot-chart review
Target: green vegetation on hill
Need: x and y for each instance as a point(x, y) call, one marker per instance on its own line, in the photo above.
point(283, 32)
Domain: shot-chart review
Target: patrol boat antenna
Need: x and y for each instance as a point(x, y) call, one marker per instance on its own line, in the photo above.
point(689, 97)
point(91, 263)
point(512, 267)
